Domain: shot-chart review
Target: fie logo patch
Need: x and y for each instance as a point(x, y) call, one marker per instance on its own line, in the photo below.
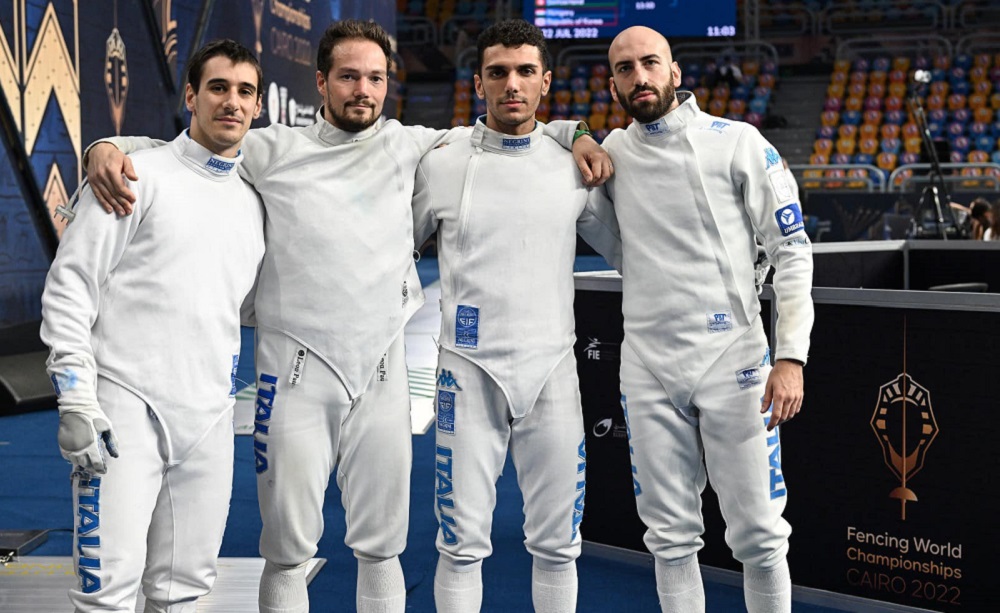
point(467, 327)
point(446, 412)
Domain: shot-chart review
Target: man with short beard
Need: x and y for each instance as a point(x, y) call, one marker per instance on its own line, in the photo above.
point(336, 288)
point(691, 193)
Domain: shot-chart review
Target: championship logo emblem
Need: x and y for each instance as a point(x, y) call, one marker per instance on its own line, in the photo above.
point(905, 426)
point(116, 78)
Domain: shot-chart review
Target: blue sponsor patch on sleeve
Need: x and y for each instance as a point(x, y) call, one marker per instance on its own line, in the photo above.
point(446, 412)
point(467, 327)
point(789, 219)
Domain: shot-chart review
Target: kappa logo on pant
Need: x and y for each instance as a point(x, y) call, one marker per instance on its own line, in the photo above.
point(447, 380)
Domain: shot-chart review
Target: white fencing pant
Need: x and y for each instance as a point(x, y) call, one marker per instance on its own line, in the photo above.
point(722, 431)
point(144, 514)
point(474, 432)
point(303, 431)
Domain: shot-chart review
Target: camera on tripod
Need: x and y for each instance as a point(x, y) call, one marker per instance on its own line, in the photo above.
point(934, 217)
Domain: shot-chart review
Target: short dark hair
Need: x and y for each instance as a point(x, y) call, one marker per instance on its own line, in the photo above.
point(351, 29)
point(225, 47)
point(513, 33)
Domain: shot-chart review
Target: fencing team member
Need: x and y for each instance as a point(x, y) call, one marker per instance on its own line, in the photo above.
point(142, 316)
point(507, 202)
point(691, 192)
point(338, 284)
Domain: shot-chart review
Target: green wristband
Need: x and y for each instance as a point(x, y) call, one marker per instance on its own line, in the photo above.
point(580, 133)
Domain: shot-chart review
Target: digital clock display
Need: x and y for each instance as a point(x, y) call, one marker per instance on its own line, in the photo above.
point(588, 19)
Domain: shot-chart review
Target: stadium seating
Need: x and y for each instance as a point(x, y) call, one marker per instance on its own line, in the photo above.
point(581, 92)
point(866, 116)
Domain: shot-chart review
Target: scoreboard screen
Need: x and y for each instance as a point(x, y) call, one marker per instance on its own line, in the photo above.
point(583, 19)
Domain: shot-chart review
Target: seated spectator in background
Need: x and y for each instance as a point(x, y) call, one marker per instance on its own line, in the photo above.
point(992, 232)
point(727, 71)
point(982, 218)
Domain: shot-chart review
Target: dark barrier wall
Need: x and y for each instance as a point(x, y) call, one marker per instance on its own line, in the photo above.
point(887, 466)
point(884, 384)
point(911, 264)
point(933, 263)
point(845, 265)
point(73, 71)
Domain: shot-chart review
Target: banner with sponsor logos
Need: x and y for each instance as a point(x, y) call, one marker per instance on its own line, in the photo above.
point(609, 512)
point(887, 467)
point(72, 72)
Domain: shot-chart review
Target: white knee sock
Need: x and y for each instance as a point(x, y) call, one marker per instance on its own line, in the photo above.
point(554, 591)
point(458, 591)
point(768, 590)
point(381, 588)
point(679, 586)
point(283, 589)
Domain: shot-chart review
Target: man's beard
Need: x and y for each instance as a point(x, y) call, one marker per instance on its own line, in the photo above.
point(349, 124)
point(648, 112)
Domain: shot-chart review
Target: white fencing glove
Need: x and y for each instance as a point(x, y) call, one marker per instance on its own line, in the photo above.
point(84, 430)
point(81, 434)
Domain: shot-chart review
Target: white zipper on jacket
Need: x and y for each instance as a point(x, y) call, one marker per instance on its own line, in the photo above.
point(465, 209)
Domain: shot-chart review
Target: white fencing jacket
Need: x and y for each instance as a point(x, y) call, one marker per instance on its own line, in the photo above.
point(691, 192)
point(338, 275)
point(507, 210)
point(152, 301)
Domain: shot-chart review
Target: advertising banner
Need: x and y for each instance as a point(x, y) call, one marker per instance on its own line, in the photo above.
point(73, 71)
point(887, 466)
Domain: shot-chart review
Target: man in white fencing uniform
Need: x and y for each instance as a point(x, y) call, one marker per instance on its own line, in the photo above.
point(691, 192)
point(336, 288)
point(142, 316)
point(507, 202)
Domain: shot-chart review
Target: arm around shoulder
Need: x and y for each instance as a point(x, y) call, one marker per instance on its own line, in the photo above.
point(108, 166)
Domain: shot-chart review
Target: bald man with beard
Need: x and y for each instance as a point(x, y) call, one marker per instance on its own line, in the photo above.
point(692, 193)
